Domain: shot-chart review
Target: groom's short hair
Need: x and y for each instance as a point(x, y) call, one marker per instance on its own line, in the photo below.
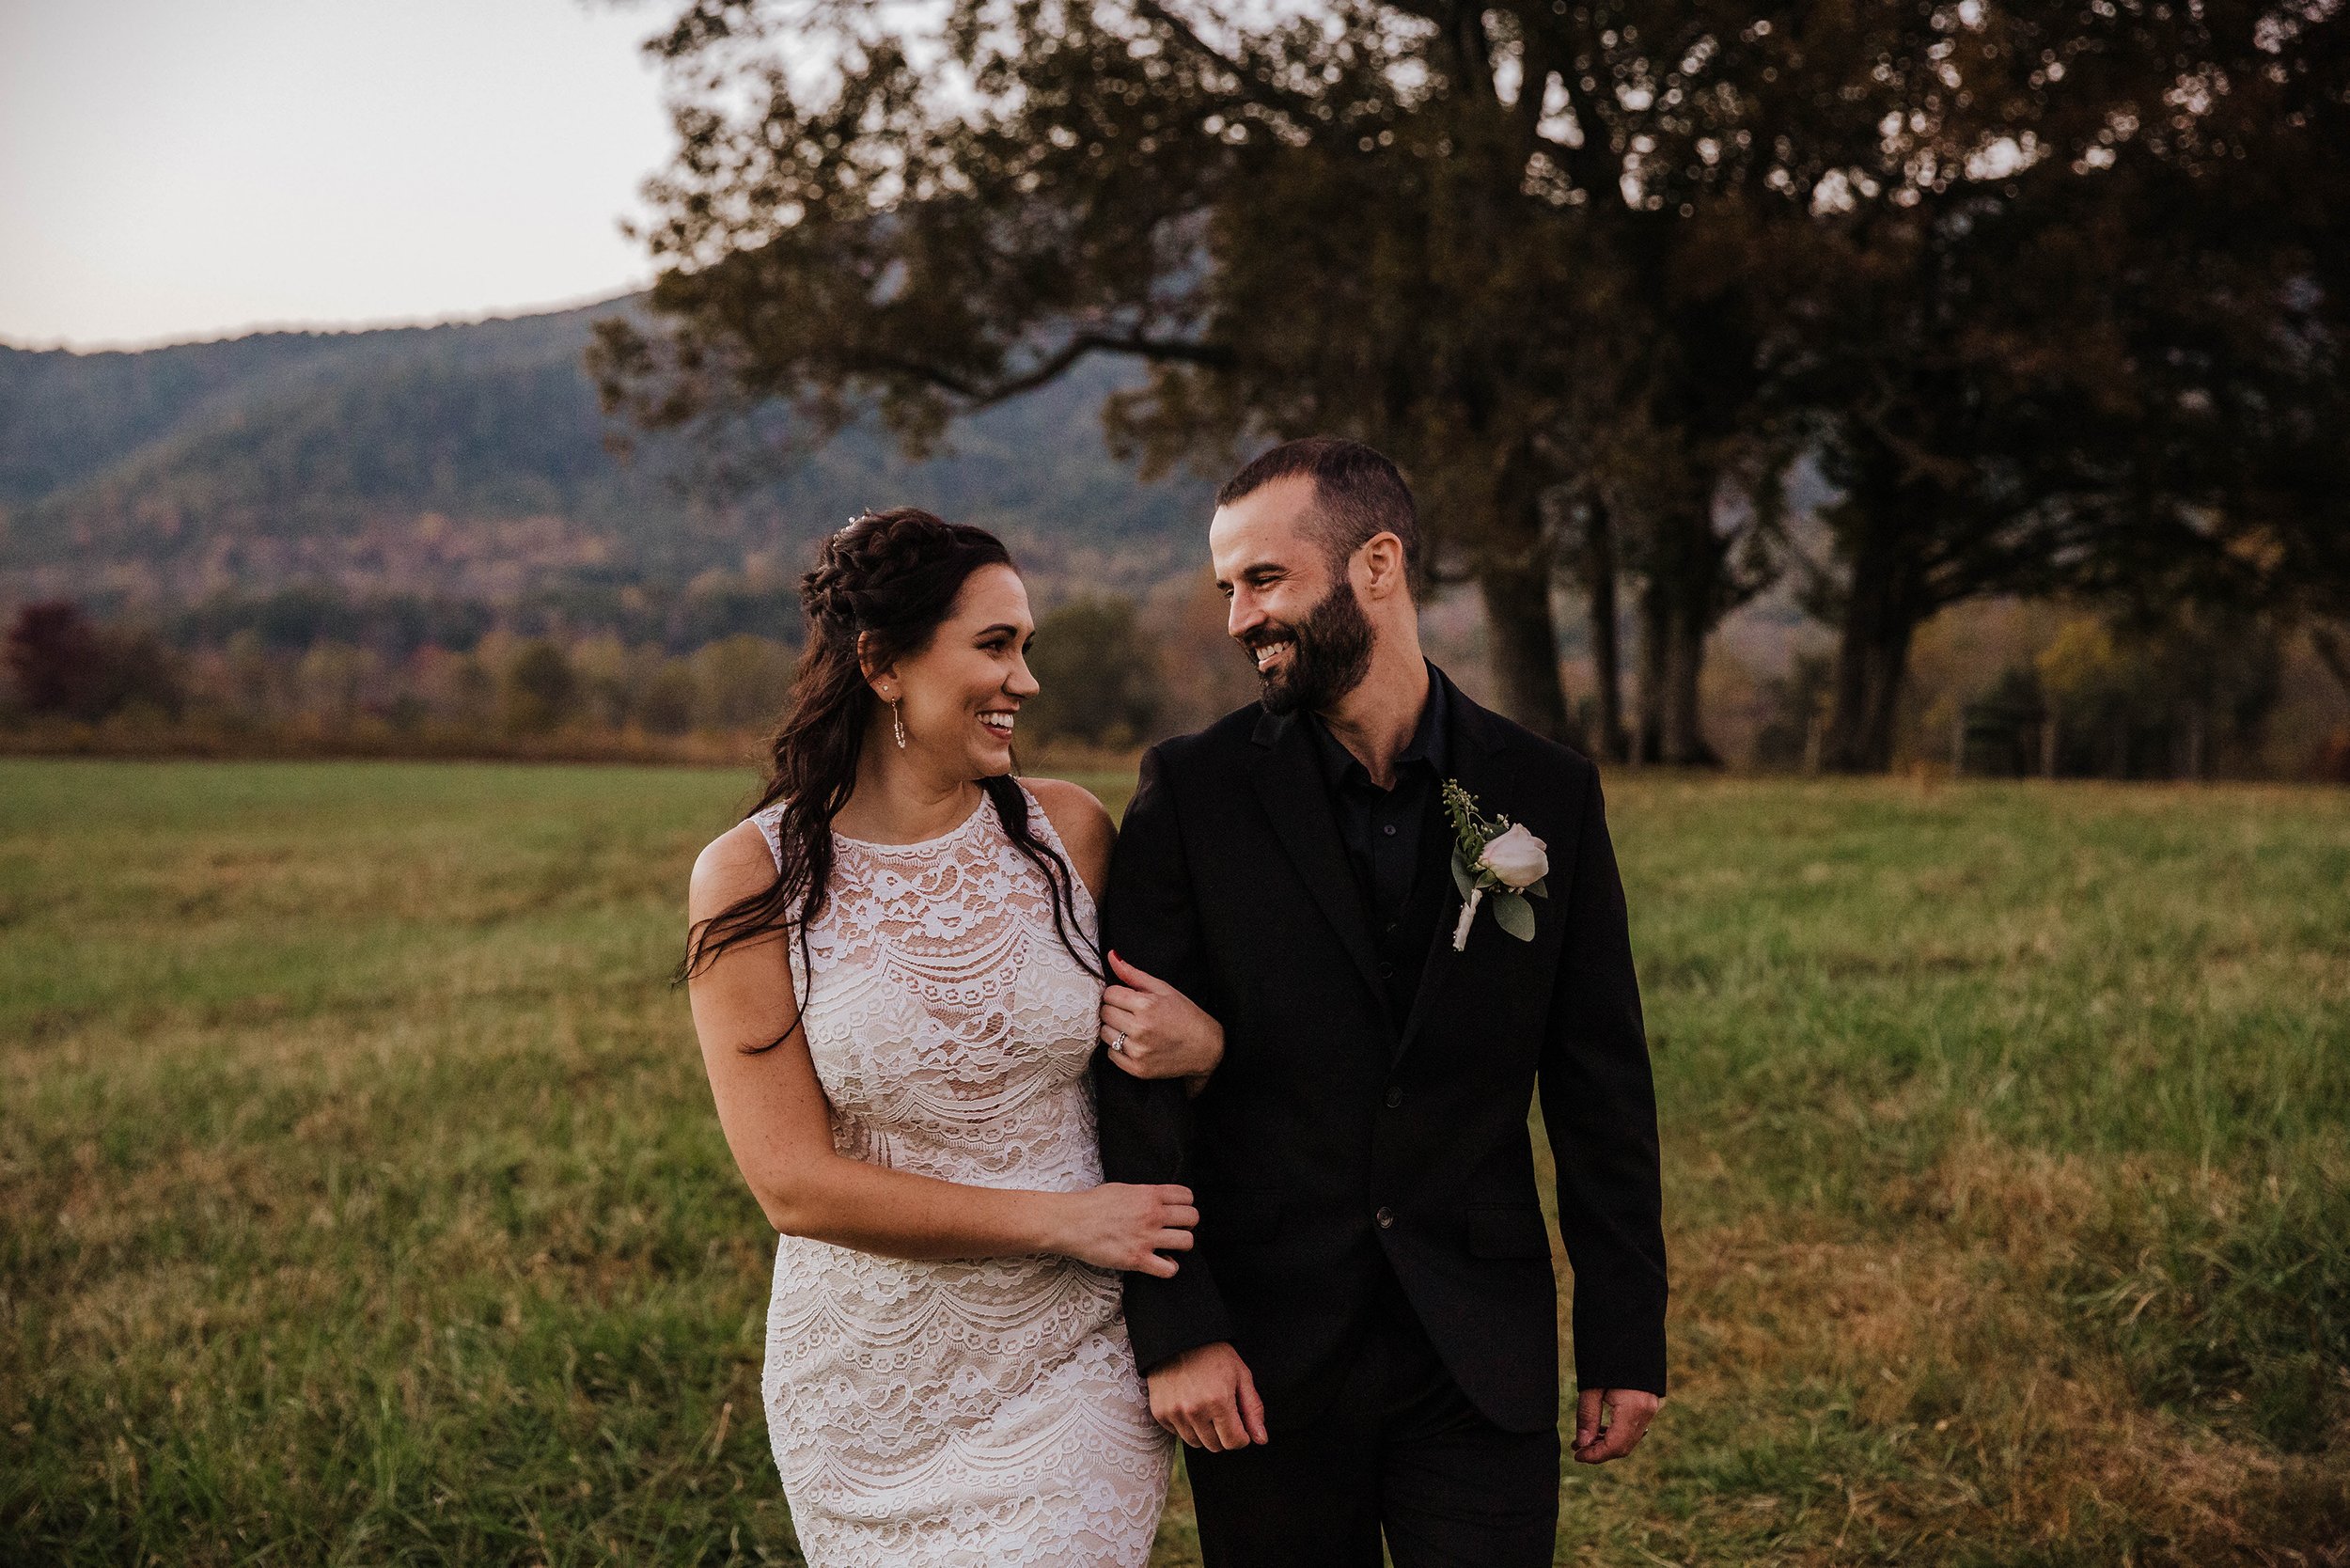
point(1357, 493)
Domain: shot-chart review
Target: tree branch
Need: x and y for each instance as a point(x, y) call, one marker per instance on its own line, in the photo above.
point(1271, 94)
point(977, 394)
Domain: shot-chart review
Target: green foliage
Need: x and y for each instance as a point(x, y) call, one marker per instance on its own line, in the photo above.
point(742, 682)
point(1099, 677)
point(541, 688)
point(291, 619)
point(2158, 697)
point(2005, 1181)
point(668, 704)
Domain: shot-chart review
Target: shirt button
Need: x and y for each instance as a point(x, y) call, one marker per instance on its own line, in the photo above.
point(1386, 1217)
point(1395, 1098)
point(1389, 830)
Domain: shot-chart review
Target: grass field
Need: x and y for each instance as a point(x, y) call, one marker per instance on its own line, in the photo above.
point(360, 1199)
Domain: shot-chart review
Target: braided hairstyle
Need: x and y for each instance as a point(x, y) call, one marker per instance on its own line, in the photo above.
point(880, 587)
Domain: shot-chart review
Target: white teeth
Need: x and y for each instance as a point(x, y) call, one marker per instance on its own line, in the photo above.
point(1266, 653)
point(1001, 723)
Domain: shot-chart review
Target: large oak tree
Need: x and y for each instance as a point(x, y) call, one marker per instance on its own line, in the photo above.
point(1448, 229)
point(1614, 264)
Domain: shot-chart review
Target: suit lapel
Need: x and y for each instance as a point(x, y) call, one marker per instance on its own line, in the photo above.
point(1475, 740)
point(1297, 800)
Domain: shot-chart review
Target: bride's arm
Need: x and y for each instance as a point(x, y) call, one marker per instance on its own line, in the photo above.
point(779, 1126)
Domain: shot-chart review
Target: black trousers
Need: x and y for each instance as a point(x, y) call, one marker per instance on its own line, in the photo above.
point(1398, 1449)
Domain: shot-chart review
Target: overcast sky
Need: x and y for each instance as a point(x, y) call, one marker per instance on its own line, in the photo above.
point(180, 169)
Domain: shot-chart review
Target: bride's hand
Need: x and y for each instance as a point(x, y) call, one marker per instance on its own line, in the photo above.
point(1154, 1031)
point(1121, 1226)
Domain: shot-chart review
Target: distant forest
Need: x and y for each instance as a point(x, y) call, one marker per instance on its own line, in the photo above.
point(415, 542)
point(418, 485)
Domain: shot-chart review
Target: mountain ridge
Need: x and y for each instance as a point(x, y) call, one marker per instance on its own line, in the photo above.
point(469, 460)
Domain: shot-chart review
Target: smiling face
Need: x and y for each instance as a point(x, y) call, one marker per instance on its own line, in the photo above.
point(1294, 611)
point(959, 693)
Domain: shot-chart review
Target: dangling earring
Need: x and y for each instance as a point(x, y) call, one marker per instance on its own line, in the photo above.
point(898, 723)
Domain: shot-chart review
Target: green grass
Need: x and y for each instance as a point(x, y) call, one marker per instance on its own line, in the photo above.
point(360, 1199)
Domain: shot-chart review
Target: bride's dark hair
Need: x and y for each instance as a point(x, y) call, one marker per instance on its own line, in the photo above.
point(889, 577)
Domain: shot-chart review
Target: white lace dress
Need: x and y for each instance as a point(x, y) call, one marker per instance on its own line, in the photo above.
point(983, 1411)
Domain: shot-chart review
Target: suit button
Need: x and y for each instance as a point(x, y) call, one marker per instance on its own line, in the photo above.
point(1386, 1217)
point(1395, 1098)
point(1386, 971)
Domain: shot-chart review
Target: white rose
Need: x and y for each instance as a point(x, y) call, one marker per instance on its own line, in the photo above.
point(1516, 858)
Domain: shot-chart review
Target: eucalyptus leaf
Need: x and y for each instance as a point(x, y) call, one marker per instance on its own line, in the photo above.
point(1513, 915)
point(1461, 877)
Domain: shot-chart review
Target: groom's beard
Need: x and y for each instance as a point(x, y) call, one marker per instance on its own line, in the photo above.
point(1329, 656)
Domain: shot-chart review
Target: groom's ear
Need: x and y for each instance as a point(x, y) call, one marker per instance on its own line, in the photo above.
point(1385, 567)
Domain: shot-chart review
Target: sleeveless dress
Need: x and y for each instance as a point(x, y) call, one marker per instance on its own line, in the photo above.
point(982, 1411)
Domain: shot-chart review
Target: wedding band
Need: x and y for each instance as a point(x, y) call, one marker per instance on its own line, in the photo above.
point(1119, 1043)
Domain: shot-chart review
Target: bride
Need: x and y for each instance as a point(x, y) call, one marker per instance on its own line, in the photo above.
point(897, 987)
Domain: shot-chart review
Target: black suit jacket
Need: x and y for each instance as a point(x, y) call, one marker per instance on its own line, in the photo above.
point(1337, 1142)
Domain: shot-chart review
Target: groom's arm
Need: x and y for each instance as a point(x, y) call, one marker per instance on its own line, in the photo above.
point(1599, 1107)
point(1146, 1124)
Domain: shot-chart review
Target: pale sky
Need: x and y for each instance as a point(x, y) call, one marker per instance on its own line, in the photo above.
point(182, 169)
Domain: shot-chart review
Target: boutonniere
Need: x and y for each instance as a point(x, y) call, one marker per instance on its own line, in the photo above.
point(1492, 855)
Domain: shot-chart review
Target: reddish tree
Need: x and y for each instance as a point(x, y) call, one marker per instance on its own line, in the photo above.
point(64, 663)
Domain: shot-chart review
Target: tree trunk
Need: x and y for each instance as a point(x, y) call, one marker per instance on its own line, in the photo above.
point(1525, 645)
point(1883, 606)
point(1685, 664)
point(1655, 639)
point(1599, 584)
point(1870, 667)
point(1678, 611)
point(1514, 575)
point(2333, 654)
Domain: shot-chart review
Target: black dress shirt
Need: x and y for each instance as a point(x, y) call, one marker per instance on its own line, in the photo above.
point(1386, 833)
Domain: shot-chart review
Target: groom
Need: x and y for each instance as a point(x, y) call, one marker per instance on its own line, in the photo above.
point(1364, 1340)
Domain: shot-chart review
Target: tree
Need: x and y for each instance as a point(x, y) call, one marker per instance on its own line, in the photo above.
point(1528, 249)
point(541, 688)
point(1455, 231)
point(2041, 341)
point(65, 664)
point(1591, 554)
point(666, 703)
point(2166, 693)
point(741, 682)
point(55, 650)
point(1098, 682)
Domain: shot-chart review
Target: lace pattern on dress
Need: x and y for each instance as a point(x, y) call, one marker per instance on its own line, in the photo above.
point(977, 1411)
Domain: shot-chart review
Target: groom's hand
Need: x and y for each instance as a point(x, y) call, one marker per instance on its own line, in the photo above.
point(1630, 1411)
point(1206, 1397)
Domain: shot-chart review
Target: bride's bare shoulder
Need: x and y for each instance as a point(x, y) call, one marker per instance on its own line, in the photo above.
point(732, 866)
point(1083, 823)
